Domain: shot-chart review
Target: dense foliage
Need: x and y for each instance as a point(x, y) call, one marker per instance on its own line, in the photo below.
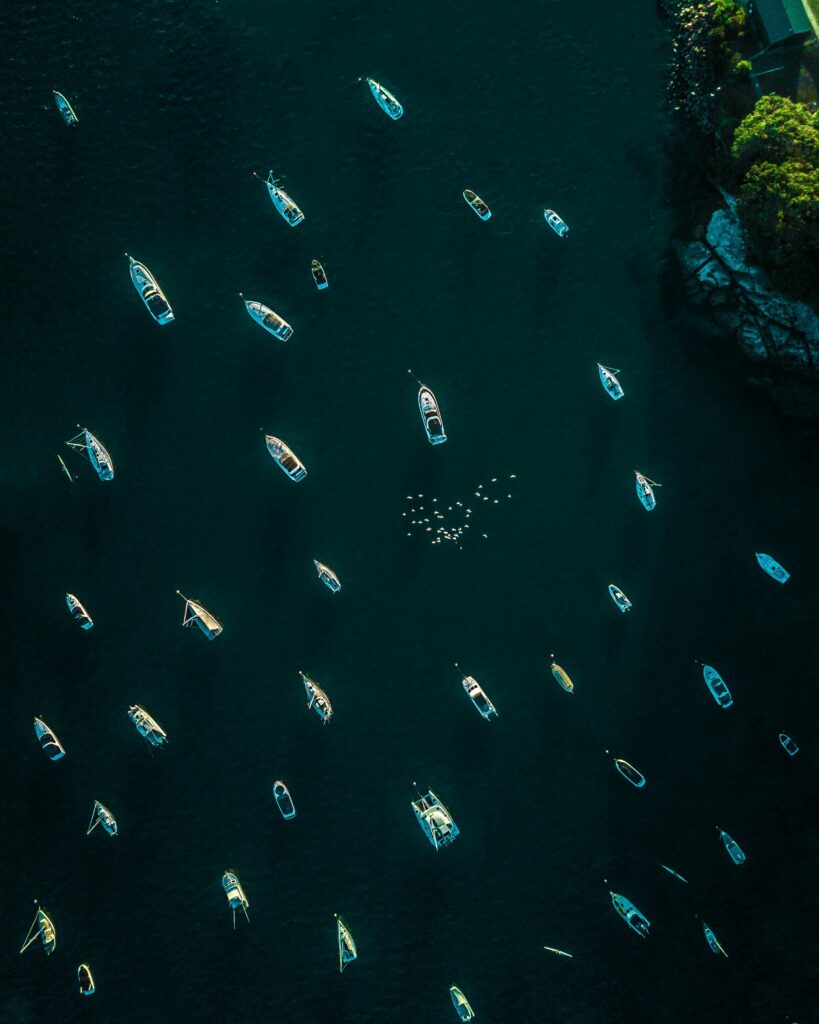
point(777, 130)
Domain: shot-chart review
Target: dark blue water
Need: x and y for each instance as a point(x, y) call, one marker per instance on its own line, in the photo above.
point(531, 105)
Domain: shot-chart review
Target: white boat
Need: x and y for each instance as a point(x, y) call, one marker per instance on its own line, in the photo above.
point(149, 291)
point(235, 895)
point(283, 800)
point(319, 275)
point(788, 744)
point(347, 951)
point(637, 921)
point(265, 317)
point(772, 567)
point(561, 675)
point(317, 698)
point(461, 1003)
point(732, 846)
point(610, 382)
point(78, 611)
point(712, 940)
point(619, 598)
point(385, 99)
point(47, 739)
point(628, 771)
point(285, 458)
point(558, 952)
point(556, 223)
point(645, 490)
point(197, 615)
point(477, 695)
point(431, 415)
point(42, 927)
point(102, 816)
point(95, 451)
point(86, 980)
point(327, 576)
point(65, 108)
point(147, 726)
point(477, 204)
point(289, 210)
point(671, 871)
point(435, 820)
point(716, 684)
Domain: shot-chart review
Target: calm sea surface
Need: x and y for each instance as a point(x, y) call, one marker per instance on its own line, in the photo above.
point(531, 105)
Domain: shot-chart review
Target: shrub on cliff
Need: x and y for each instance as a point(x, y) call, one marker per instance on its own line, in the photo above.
point(777, 130)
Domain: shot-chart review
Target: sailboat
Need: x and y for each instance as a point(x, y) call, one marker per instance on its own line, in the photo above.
point(327, 576)
point(235, 895)
point(318, 699)
point(86, 980)
point(102, 816)
point(712, 940)
point(195, 614)
point(147, 726)
point(561, 675)
point(435, 820)
point(385, 99)
point(65, 109)
point(289, 210)
point(95, 451)
point(477, 695)
point(52, 747)
point(610, 381)
point(645, 490)
point(461, 1003)
point(42, 927)
point(735, 852)
point(628, 771)
point(78, 611)
point(347, 951)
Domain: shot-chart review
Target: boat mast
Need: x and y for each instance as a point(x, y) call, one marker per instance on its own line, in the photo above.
point(66, 470)
point(29, 937)
point(94, 814)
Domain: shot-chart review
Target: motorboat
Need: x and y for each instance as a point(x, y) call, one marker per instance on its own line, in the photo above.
point(628, 771)
point(788, 744)
point(385, 99)
point(319, 275)
point(431, 415)
point(52, 747)
point(102, 816)
point(65, 108)
point(147, 726)
point(78, 611)
point(347, 951)
point(149, 291)
point(735, 852)
point(235, 895)
point(610, 382)
point(283, 800)
point(558, 952)
point(561, 675)
point(772, 568)
point(712, 940)
point(327, 576)
point(289, 210)
point(197, 615)
point(645, 491)
point(86, 980)
point(556, 223)
point(477, 204)
point(42, 927)
point(674, 873)
point(435, 820)
point(477, 695)
point(285, 458)
point(461, 1003)
point(631, 915)
point(95, 451)
point(317, 698)
point(265, 317)
point(619, 598)
point(716, 684)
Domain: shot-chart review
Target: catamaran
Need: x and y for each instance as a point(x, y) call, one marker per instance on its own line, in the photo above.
point(461, 1003)
point(319, 275)
point(556, 223)
point(289, 210)
point(558, 952)
point(283, 800)
point(671, 871)
point(102, 816)
point(610, 382)
point(65, 108)
point(631, 915)
point(385, 99)
point(317, 698)
point(147, 726)
point(732, 846)
point(52, 747)
point(772, 568)
point(628, 771)
point(149, 291)
point(477, 695)
point(95, 451)
point(716, 684)
point(788, 744)
point(477, 204)
point(285, 458)
point(712, 940)
point(327, 576)
point(265, 317)
point(78, 611)
point(42, 927)
point(86, 980)
point(196, 614)
point(645, 491)
point(346, 944)
point(619, 598)
point(435, 820)
point(235, 895)
point(561, 675)
point(431, 415)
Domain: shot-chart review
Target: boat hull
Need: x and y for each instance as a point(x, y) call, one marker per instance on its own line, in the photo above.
point(717, 687)
point(645, 493)
point(435, 820)
point(285, 458)
point(556, 223)
point(149, 291)
point(619, 598)
point(269, 320)
point(65, 109)
point(385, 99)
point(283, 800)
point(772, 568)
point(431, 416)
point(562, 677)
point(476, 204)
point(611, 384)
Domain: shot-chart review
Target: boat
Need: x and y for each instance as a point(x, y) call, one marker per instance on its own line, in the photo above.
point(461, 1003)
point(716, 684)
point(619, 598)
point(102, 816)
point(319, 275)
point(477, 695)
point(317, 698)
point(265, 317)
point(149, 291)
point(556, 223)
point(65, 108)
point(712, 940)
point(95, 451)
point(732, 846)
point(671, 871)
point(195, 614)
point(561, 675)
point(631, 915)
point(235, 895)
point(772, 568)
point(86, 980)
point(645, 491)
point(431, 415)
point(558, 952)
point(610, 383)
point(346, 944)
point(628, 771)
point(78, 611)
point(147, 726)
point(435, 820)
point(66, 470)
point(477, 204)
point(787, 744)
point(290, 211)
point(285, 458)
point(283, 800)
point(385, 99)
point(52, 747)
point(42, 927)
point(327, 576)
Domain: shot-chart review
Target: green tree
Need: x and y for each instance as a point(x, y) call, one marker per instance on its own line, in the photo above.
point(777, 130)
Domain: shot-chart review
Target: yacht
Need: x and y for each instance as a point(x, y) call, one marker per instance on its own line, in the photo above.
point(477, 204)
point(235, 895)
point(149, 291)
point(631, 915)
point(347, 951)
point(78, 611)
point(95, 451)
point(319, 275)
point(196, 614)
point(477, 695)
point(788, 744)
point(628, 771)
point(52, 747)
point(86, 980)
point(435, 820)
point(712, 940)
point(146, 726)
point(285, 458)
point(461, 1003)
point(102, 816)
point(431, 415)
point(619, 598)
point(289, 210)
point(385, 99)
point(556, 223)
point(732, 846)
point(610, 382)
point(772, 567)
point(317, 698)
point(645, 491)
point(327, 576)
point(561, 675)
point(65, 108)
point(283, 800)
point(716, 684)
point(42, 927)
point(265, 317)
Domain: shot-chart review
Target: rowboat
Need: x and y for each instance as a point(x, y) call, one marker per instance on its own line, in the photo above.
point(235, 895)
point(317, 698)
point(619, 598)
point(610, 382)
point(558, 952)
point(283, 800)
point(732, 846)
point(772, 568)
point(42, 927)
point(265, 317)
point(716, 684)
point(788, 744)
point(431, 415)
point(289, 210)
point(461, 1003)
point(712, 940)
point(628, 771)
point(95, 451)
point(556, 223)
point(477, 204)
point(645, 490)
point(671, 871)
point(637, 921)
point(52, 747)
point(477, 695)
point(319, 275)
point(86, 980)
point(561, 675)
point(385, 99)
point(102, 816)
point(285, 458)
point(65, 108)
point(149, 291)
point(346, 944)
point(327, 576)
point(147, 726)
point(78, 611)
point(196, 614)
point(435, 820)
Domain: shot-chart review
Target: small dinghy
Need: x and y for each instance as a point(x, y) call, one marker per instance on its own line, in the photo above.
point(431, 415)
point(196, 615)
point(346, 944)
point(147, 726)
point(610, 383)
point(671, 871)
point(561, 675)
point(385, 99)
point(319, 275)
point(628, 771)
point(477, 695)
point(558, 952)
point(283, 800)
point(630, 914)
point(619, 598)
point(86, 980)
point(645, 491)
point(42, 927)
point(772, 568)
point(461, 1003)
point(65, 108)
point(78, 612)
point(285, 458)
point(102, 816)
point(732, 846)
point(95, 451)
point(235, 895)
point(716, 684)
point(477, 204)
point(289, 210)
point(317, 698)
point(265, 317)
point(787, 744)
point(556, 223)
point(149, 291)
point(47, 739)
point(435, 820)
point(327, 576)
point(712, 940)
